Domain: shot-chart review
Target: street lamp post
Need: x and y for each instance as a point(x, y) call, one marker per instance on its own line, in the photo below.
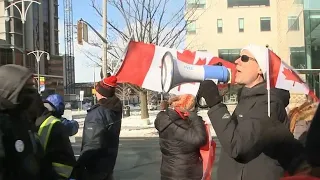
point(23, 13)
point(38, 55)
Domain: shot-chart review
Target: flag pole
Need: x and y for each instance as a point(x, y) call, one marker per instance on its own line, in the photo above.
point(268, 80)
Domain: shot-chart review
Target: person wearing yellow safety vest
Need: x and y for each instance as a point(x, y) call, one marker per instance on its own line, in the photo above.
point(55, 141)
point(21, 153)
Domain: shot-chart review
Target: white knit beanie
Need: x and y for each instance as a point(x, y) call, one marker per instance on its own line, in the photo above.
point(260, 54)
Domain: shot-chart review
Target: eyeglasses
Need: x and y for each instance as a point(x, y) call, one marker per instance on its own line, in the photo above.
point(245, 58)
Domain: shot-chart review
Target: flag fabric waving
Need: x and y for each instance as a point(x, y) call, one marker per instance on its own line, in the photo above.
point(208, 153)
point(142, 66)
point(283, 76)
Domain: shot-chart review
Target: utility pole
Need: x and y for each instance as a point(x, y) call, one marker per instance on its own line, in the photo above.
point(104, 34)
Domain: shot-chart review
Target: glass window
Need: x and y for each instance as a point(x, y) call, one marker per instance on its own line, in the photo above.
point(31, 63)
point(6, 56)
point(56, 36)
point(298, 2)
point(56, 49)
point(297, 57)
point(18, 40)
point(232, 3)
point(17, 25)
point(293, 23)
point(46, 25)
point(229, 54)
point(241, 25)
point(191, 27)
point(196, 3)
point(56, 11)
point(219, 25)
point(56, 23)
point(16, 12)
point(265, 24)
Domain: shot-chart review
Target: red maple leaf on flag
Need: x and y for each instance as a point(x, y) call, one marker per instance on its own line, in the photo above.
point(291, 76)
point(201, 61)
point(186, 56)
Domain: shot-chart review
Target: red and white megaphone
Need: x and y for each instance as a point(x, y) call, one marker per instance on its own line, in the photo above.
point(175, 72)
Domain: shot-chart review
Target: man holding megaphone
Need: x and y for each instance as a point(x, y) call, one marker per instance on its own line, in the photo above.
point(254, 146)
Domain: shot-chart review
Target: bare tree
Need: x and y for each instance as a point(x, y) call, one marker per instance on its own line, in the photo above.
point(147, 21)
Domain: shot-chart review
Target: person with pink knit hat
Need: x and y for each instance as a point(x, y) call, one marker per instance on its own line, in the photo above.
point(101, 134)
point(254, 145)
point(182, 133)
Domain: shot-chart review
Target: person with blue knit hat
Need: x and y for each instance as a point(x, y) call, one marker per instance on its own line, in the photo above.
point(55, 104)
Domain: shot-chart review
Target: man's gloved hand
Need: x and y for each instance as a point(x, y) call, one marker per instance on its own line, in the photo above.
point(209, 91)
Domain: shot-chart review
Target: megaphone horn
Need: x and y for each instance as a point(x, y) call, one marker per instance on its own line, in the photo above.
point(175, 72)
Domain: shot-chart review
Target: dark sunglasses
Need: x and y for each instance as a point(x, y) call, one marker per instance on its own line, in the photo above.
point(245, 58)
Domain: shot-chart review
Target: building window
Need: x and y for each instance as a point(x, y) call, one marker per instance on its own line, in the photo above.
point(18, 39)
point(46, 26)
point(196, 3)
point(191, 27)
point(232, 3)
point(298, 2)
point(241, 25)
point(17, 26)
point(56, 49)
point(219, 26)
point(265, 24)
point(5, 56)
point(229, 54)
point(297, 57)
point(31, 63)
point(293, 23)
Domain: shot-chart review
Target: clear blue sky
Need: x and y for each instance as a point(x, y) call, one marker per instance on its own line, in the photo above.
point(82, 9)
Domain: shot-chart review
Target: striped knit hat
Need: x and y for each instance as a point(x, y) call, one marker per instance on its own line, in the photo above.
point(106, 87)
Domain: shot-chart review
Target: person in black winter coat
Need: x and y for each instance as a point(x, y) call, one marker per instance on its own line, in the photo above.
point(101, 133)
point(21, 153)
point(254, 146)
point(181, 137)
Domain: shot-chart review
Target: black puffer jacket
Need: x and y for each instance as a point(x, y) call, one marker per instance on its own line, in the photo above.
point(180, 142)
point(100, 142)
point(255, 146)
point(21, 153)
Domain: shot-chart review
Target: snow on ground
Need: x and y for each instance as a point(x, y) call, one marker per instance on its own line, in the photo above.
point(134, 126)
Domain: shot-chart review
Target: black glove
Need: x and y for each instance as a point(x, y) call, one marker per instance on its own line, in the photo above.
point(209, 91)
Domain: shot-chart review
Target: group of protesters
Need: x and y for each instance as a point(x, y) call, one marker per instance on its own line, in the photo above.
point(259, 140)
point(256, 142)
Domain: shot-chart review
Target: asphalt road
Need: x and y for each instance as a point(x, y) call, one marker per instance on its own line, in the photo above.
point(139, 159)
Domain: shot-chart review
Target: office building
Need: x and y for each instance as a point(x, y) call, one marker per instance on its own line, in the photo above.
point(289, 27)
point(41, 33)
point(303, 39)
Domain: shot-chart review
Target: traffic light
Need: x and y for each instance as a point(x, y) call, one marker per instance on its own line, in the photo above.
point(80, 32)
point(85, 32)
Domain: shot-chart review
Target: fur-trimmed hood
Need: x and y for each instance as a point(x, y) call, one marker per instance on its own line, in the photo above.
point(304, 112)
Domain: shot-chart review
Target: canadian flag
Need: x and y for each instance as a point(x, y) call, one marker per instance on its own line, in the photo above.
point(142, 66)
point(283, 76)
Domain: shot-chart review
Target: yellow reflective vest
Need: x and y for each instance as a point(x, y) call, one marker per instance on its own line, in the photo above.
point(44, 134)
